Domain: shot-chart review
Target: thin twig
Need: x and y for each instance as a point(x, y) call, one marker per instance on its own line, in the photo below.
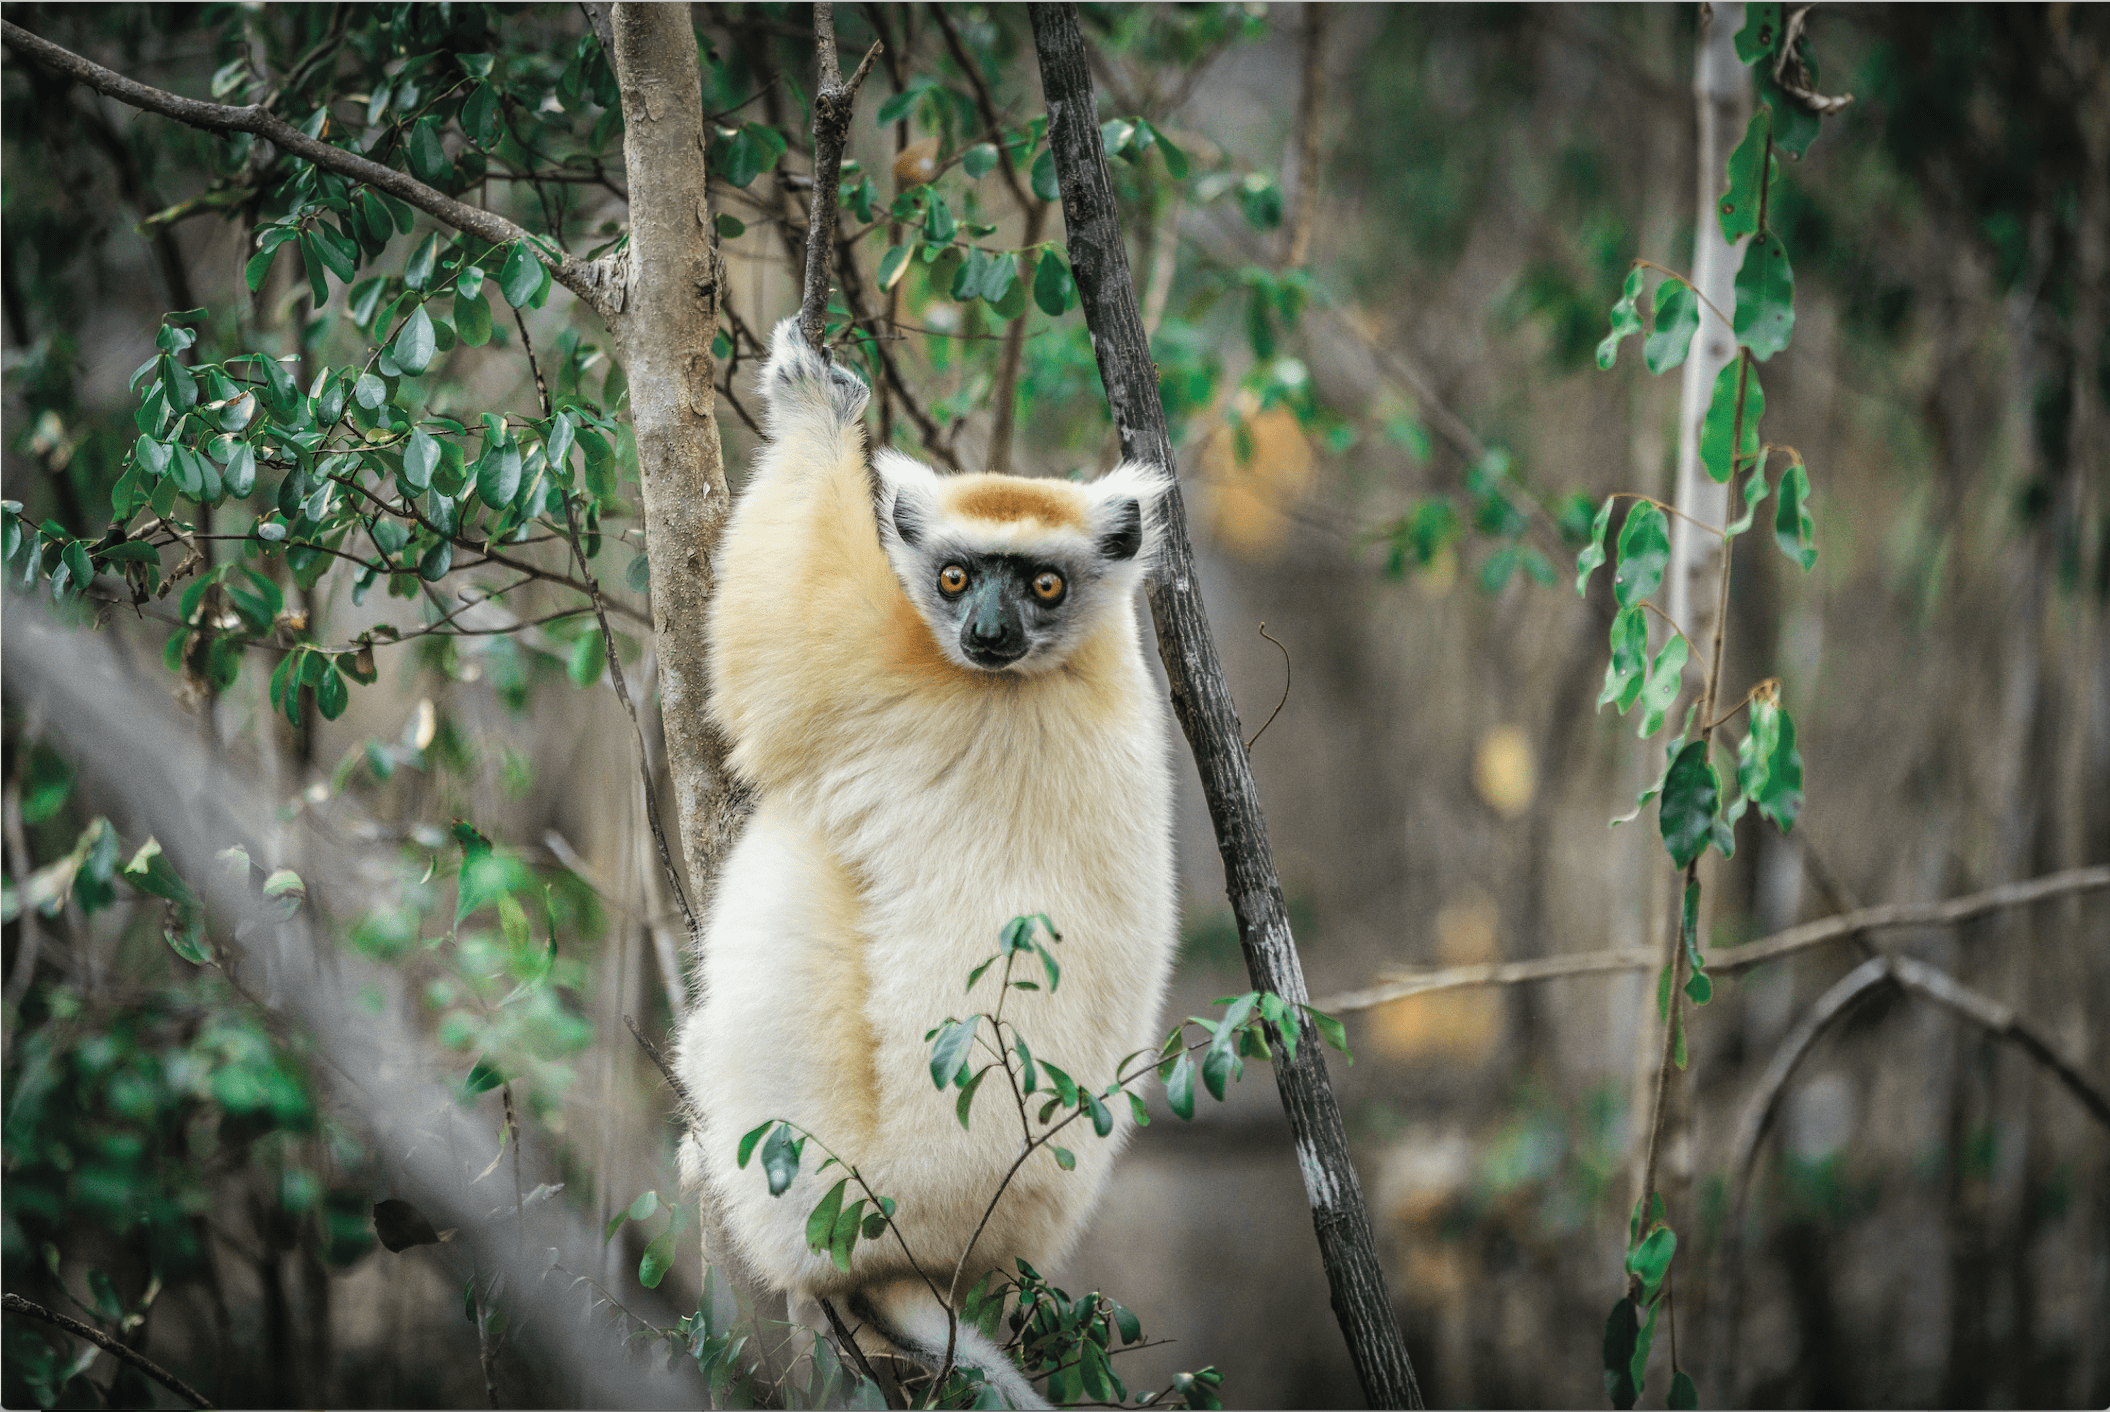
point(666, 1071)
point(16, 1304)
point(1285, 691)
point(615, 663)
point(1395, 985)
point(857, 1355)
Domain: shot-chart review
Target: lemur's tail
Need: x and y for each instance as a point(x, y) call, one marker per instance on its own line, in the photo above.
point(908, 1316)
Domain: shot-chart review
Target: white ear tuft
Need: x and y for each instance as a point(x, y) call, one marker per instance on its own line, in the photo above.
point(907, 503)
point(1127, 512)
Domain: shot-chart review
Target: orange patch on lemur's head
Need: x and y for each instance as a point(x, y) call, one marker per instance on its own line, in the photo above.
point(1011, 498)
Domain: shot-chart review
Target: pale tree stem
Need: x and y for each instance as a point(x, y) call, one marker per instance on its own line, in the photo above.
point(1722, 98)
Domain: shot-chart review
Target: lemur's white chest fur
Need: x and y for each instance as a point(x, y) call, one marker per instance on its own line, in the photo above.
point(937, 688)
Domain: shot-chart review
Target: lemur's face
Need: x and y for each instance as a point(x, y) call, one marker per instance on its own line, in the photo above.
point(1002, 608)
point(1011, 574)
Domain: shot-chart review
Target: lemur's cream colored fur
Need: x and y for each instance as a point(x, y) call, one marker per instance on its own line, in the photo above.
point(909, 805)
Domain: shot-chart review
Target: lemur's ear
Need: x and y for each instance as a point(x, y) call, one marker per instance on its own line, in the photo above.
point(1127, 505)
point(905, 499)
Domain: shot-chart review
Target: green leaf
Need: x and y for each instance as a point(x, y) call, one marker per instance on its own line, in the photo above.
point(521, 276)
point(821, 1224)
point(1054, 287)
point(588, 660)
point(1793, 526)
point(1179, 1089)
point(948, 1054)
point(1644, 552)
point(939, 226)
point(1176, 163)
point(239, 478)
point(472, 319)
point(893, 265)
point(780, 1158)
point(311, 262)
point(1664, 679)
point(1046, 185)
point(1754, 492)
point(436, 561)
point(1102, 1116)
point(484, 1077)
point(967, 1093)
point(178, 385)
point(1738, 208)
point(747, 1145)
point(1626, 319)
point(1765, 297)
point(420, 458)
point(1592, 556)
point(417, 270)
point(638, 577)
point(370, 392)
point(979, 160)
point(1064, 1158)
point(1684, 1397)
point(1677, 319)
point(1644, 1338)
point(1719, 427)
point(658, 1259)
point(416, 343)
point(498, 473)
point(1692, 793)
point(1769, 767)
point(339, 254)
point(1621, 1329)
point(1761, 34)
point(428, 158)
point(1651, 1260)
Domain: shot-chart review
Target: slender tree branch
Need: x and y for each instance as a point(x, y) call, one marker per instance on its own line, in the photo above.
point(834, 102)
point(1201, 700)
point(1388, 986)
point(1921, 979)
point(16, 1304)
point(1308, 106)
point(596, 282)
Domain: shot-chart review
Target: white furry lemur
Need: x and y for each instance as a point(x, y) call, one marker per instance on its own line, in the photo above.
point(936, 687)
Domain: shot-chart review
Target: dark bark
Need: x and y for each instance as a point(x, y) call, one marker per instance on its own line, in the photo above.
point(1202, 701)
point(833, 103)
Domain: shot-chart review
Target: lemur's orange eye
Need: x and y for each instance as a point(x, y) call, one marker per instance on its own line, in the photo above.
point(952, 578)
point(1048, 586)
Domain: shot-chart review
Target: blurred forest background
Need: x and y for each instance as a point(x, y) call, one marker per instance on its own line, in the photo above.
point(1375, 335)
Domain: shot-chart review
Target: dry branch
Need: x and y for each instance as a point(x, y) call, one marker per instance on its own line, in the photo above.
point(16, 1304)
point(1201, 699)
point(1388, 986)
point(1919, 978)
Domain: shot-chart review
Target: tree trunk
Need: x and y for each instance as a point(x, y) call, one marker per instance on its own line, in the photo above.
point(1202, 701)
point(668, 316)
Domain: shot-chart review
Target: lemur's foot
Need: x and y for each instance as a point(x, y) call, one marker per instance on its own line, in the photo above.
point(796, 370)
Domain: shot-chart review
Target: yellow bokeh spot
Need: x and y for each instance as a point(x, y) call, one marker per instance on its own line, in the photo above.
point(1455, 1024)
point(1504, 771)
point(1246, 501)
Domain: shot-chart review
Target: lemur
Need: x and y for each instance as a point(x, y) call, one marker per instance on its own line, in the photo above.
point(936, 687)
